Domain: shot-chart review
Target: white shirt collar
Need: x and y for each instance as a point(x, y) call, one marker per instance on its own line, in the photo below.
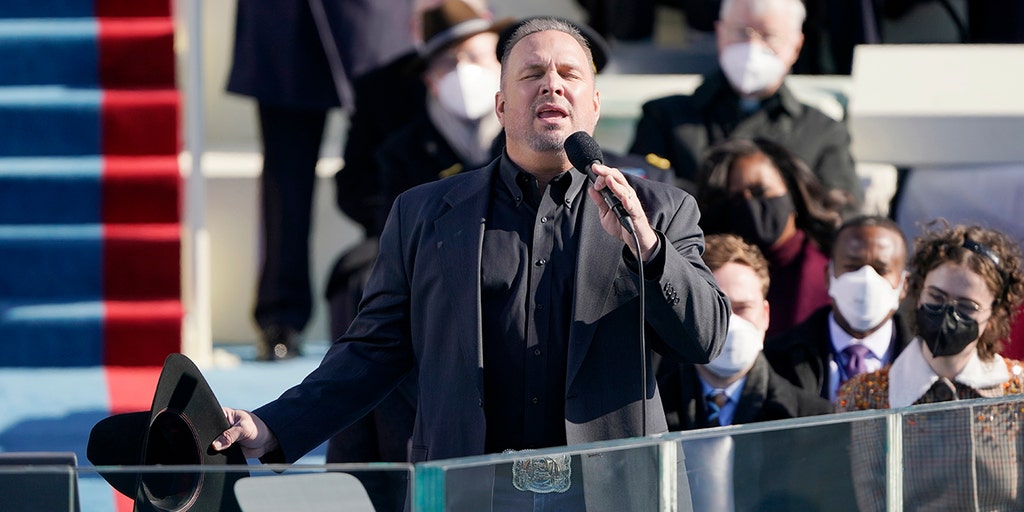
point(910, 377)
point(877, 342)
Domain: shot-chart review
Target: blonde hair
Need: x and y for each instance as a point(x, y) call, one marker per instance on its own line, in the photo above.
point(728, 248)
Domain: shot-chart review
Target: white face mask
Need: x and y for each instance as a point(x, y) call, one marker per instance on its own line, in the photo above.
point(468, 91)
point(751, 68)
point(742, 345)
point(863, 297)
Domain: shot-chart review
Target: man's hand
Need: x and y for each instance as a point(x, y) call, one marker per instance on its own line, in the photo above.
point(613, 179)
point(249, 431)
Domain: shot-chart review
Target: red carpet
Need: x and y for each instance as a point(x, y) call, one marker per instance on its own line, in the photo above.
point(141, 192)
point(99, 251)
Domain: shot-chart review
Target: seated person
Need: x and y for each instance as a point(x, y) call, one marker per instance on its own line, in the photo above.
point(746, 388)
point(738, 386)
point(967, 284)
point(861, 330)
point(757, 189)
point(457, 129)
point(758, 42)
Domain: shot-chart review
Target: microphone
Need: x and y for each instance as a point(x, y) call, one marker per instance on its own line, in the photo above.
point(584, 152)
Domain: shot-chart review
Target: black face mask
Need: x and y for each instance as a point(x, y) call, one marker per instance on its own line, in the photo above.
point(944, 331)
point(760, 220)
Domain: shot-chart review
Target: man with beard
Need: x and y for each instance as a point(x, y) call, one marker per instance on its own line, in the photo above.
point(516, 298)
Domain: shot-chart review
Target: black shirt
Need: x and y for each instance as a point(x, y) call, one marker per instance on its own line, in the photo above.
point(528, 267)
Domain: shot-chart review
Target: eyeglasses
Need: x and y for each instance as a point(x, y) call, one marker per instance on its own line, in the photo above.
point(966, 308)
point(774, 40)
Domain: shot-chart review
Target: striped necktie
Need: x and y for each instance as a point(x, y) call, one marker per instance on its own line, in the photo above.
point(715, 402)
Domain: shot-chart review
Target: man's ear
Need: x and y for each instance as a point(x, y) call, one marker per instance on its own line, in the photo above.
point(767, 316)
point(796, 50)
point(499, 107)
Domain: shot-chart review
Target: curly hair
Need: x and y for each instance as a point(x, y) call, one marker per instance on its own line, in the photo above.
point(942, 243)
point(728, 248)
point(818, 210)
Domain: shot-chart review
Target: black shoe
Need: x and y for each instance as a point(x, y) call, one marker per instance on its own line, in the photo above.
point(277, 343)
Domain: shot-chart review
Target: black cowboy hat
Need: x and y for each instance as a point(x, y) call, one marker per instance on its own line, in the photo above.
point(177, 430)
point(598, 44)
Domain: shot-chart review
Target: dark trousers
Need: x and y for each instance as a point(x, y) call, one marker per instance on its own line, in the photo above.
point(291, 147)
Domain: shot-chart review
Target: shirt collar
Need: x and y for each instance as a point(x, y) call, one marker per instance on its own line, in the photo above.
point(910, 377)
point(569, 183)
point(877, 342)
point(733, 391)
point(507, 171)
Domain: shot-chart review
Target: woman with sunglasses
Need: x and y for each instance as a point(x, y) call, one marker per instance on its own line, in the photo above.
point(966, 284)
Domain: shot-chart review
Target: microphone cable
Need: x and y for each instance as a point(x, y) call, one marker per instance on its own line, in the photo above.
point(643, 337)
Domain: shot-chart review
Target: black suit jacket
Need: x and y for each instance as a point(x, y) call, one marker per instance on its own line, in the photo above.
point(421, 310)
point(681, 128)
point(763, 476)
point(765, 396)
point(803, 353)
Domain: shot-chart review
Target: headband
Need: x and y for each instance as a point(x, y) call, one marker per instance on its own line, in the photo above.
point(986, 252)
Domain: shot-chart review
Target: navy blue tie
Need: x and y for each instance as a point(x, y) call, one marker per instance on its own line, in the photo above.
point(715, 403)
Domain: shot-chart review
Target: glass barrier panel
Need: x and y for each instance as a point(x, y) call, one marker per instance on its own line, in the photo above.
point(958, 455)
point(802, 464)
point(31, 488)
point(613, 475)
point(374, 487)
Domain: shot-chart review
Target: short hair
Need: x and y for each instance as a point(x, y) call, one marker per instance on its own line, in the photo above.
point(941, 243)
point(818, 211)
point(542, 24)
point(728, 248)
point(796, 9)
point(880, 221)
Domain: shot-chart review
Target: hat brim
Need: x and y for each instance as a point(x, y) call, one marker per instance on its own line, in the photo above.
point(598, 45)
point(455, 35)
point(178, 429)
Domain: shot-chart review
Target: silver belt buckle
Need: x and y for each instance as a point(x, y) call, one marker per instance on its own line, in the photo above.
point(542, 474)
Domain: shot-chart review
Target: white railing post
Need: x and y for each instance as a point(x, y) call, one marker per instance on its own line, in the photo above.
point(197, 337)
point(894, 462)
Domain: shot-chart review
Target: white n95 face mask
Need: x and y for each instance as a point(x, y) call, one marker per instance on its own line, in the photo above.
point(742, 345)
point(863, 297)
point(751, 68)
point(468, 91)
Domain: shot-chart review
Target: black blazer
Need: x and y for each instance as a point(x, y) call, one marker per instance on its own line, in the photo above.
point(765, 396)
point(764, 473)
point(421, 310)
point(802, 354)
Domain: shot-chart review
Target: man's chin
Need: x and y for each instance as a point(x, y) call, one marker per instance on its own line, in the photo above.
point(551, 140)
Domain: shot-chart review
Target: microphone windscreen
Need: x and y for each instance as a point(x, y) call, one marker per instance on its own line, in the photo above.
point(582, 150)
